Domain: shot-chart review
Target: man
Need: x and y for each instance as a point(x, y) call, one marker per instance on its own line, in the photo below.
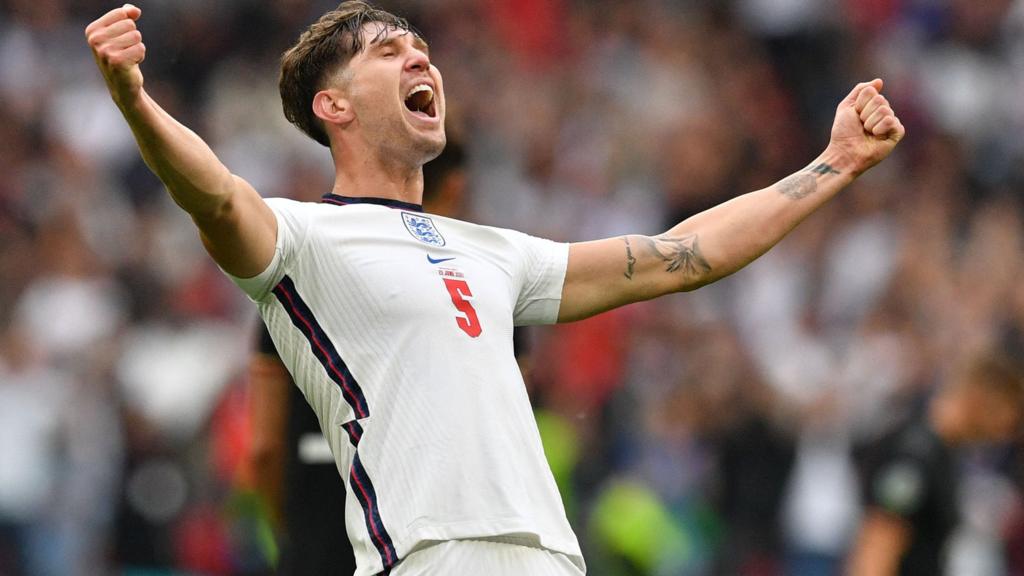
point(397, 325)
point(289, 459)
point(292, 466)
point(910, 477)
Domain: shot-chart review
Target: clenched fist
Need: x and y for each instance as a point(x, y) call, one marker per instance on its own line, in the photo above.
point(117, 46)
point(865, 129)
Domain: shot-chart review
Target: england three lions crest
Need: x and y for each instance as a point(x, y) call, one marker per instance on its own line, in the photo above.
point(422, 228)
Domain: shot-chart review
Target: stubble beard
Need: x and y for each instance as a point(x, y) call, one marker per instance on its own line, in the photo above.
point(401, 144)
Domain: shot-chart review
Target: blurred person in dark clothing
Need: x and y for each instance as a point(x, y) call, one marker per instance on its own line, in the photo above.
point(909, 475)
point(756, 458)
point(289, 458)
point(291, 465)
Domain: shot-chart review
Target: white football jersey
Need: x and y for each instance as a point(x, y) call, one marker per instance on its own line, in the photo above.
point(397, 327)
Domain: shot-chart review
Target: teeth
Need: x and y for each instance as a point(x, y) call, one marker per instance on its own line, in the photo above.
point(421, 88)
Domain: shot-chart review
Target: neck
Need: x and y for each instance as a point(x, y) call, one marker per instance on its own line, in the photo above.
point(359, 173)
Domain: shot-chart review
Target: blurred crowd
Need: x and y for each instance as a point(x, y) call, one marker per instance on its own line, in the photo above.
point(703, 433)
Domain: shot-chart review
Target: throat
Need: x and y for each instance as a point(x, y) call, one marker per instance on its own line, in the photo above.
point(385, 180)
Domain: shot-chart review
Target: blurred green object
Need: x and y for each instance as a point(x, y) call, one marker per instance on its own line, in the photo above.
point(251, 527)
point(630, 521)
point(562, 448)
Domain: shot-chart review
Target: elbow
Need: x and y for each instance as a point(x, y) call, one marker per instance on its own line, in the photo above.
point(218, 207)
point(691, 285)
point(694, 281)
point(210, 201)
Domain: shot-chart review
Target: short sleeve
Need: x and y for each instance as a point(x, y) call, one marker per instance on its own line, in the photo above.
point(540, 277)
point(292, 230)
point(898, 487)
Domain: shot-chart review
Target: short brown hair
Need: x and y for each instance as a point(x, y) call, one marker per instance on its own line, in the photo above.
point(330, 43)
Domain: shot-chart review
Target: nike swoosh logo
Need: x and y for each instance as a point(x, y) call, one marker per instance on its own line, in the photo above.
point(439, 260)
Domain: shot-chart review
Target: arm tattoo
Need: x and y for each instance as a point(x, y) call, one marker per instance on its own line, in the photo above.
point(799, 185)
point(681, 253)
point(630, 260)
point(805, 182)
point(824, 169)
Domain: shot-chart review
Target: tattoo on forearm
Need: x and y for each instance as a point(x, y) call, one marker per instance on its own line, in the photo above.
point(681, 253)
point(630, 260)
point(799, 185)
point(805, 182)
point(824, 169)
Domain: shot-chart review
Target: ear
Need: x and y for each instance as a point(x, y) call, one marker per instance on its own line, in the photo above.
point(332, 108)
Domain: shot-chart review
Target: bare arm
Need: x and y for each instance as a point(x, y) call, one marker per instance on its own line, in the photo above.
point(237, 227)
point(608, 273)
point(883, 540)
point(269, 383)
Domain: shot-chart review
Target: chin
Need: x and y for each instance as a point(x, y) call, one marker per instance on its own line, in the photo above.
point(431, 147)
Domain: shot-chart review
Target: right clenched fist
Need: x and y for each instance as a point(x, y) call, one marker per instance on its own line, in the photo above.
point(117, 46)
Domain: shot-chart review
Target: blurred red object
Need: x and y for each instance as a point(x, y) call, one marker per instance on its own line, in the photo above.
point(581, 364)
point(231, 433)
point(532, 29)
point(202, 542)
point(873, 15)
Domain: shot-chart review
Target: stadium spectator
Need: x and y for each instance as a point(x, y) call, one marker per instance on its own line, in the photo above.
point(910, 474)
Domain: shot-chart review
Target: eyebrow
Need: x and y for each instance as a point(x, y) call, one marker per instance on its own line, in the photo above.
point(392, 40)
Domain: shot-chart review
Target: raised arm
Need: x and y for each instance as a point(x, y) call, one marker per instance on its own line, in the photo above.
point(605, 274)
point(236, 226)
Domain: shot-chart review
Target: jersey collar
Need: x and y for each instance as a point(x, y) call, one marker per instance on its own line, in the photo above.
point(344, 200)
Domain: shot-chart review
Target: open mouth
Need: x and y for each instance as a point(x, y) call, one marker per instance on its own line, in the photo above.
point(421, 100)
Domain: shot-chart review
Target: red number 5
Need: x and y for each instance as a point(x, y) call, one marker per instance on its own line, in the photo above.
point(459, 291)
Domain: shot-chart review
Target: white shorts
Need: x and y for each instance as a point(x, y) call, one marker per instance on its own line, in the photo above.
point(485, 557)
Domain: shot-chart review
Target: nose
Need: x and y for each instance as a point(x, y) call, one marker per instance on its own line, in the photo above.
point(418, 61)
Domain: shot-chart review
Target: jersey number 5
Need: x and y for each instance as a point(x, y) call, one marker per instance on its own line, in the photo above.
point(459, 291)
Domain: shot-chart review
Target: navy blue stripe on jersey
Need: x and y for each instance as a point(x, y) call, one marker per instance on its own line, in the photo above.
point(322, 347)
point(390, 203)
point(355, 431)
point(361, 486)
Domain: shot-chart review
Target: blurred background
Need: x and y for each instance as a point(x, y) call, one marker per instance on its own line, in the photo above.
point(703, 433)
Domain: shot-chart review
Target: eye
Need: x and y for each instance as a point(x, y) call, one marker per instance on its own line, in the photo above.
point(388, 54)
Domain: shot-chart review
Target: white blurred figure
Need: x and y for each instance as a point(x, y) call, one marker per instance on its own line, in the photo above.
point(33, 421)
point(71, 315)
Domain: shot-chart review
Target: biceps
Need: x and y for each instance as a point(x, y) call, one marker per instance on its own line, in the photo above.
point(241, 236)
point(606, 274)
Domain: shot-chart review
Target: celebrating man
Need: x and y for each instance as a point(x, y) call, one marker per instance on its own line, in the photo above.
point(397, 325)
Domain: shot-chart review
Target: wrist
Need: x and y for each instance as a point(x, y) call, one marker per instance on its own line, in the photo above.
point(841, 162)
point(129, 101)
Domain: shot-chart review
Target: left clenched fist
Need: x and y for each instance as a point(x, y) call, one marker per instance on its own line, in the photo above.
point(865, 129)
